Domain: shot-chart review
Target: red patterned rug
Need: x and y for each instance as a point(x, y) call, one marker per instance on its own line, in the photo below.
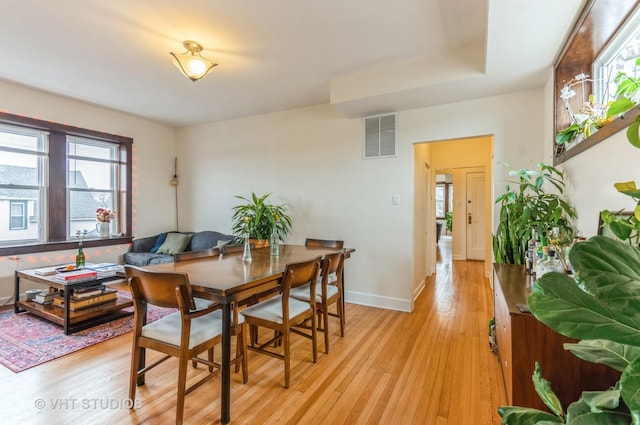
point(27, 340)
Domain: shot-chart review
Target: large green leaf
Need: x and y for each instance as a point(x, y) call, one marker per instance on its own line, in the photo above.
point(581, 413)
point(546, 394)
point(630, 389)
point(600, 401)
point(610, 270)
point(525, 416)
point(576, 409)
point(612, 354)
point(603, 418)
point(558, 302)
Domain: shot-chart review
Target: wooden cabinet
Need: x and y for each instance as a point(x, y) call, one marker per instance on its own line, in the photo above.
point(522, 340)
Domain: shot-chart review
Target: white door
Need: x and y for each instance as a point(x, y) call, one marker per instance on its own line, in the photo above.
point(475, 216)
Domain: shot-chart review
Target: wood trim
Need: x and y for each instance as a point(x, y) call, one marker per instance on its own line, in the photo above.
point(60, 246)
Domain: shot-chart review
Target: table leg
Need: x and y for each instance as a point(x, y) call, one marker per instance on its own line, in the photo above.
point(16, 289)
point(66, 310)
point(225, 397)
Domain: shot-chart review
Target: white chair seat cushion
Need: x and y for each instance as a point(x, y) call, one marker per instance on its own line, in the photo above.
point(202, 303)
point(168, 328)
point(302, 292)
point(271, 309)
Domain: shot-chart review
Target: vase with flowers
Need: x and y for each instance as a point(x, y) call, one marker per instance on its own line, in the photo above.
point(104, 216)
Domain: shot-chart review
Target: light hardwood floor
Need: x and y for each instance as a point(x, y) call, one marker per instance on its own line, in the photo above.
point(432, 366)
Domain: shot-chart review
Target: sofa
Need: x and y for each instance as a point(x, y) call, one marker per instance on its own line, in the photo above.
point(175, 246)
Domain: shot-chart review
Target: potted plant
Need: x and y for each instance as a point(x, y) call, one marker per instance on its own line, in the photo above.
point(600, 307)
point(260, 219)
point(531, 205)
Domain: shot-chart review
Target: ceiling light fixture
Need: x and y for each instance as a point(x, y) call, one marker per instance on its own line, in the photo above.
point(191, 63)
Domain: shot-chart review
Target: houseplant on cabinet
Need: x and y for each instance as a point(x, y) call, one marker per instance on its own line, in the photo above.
point(528, 206)
point(260, 219)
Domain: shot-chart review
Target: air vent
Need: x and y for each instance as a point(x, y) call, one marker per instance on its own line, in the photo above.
point(380, 136)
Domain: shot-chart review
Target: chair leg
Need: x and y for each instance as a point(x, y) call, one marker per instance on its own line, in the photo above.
point(210, 357)
point(341, 314)
point(238, 347)
point(325, 326)
point(314, 337)
point(244, 351)
point(182, 383)
point(287, 358)
point(133, 376)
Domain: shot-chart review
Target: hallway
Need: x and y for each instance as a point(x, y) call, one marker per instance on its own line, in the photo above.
point(458, 302)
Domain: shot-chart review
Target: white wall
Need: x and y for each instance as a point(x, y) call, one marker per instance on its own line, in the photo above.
point(311, 158)
point(153, 153)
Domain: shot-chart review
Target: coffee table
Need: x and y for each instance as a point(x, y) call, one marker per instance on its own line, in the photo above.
point(71, 321)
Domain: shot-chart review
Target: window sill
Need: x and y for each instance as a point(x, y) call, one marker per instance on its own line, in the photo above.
point(604, 133)
point(61, 246)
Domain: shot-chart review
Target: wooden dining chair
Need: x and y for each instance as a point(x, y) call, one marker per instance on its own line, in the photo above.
point(282, 313)
point(324, 243)
point(185, 334)
point(193, 255)
point(330, 292)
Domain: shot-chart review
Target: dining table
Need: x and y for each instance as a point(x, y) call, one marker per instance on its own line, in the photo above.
point(229, 280)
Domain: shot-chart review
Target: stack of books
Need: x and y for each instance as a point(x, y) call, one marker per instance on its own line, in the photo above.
point(81, 275)
point(45, 297)
point(105, 269)
point(86, 299)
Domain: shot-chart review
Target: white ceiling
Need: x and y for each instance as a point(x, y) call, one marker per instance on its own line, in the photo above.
point(362, 56)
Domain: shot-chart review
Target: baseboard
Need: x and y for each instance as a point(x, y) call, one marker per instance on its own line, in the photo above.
point(388, 303)
point(419, 289)
point(6, 301)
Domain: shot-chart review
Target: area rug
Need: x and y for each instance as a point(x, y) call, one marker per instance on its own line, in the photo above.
point(27, 340)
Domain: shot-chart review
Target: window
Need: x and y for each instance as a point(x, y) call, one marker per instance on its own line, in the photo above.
point(619, 56)
point(18, 215)
point(22, 170)
point(91, 181)
point(53, 177)
point(600, 28)
point(444, 199)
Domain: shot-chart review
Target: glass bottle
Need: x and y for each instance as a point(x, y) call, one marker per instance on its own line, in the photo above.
point(246, 255)
point(274, 243)
point(531, 250)
point(80, 256)
point(551, 264)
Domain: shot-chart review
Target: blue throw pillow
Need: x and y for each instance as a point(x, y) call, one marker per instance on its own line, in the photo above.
point(159, 242)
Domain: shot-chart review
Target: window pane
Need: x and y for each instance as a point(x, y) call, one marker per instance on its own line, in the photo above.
point(90, 175)
point(450, 207)
point(82, 209)
point(16, 138)
point(21, 184)
point(91, 148)
point(619, 56)
point(19, 169)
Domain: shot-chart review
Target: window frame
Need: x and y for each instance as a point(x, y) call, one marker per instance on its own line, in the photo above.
point(56, 211)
